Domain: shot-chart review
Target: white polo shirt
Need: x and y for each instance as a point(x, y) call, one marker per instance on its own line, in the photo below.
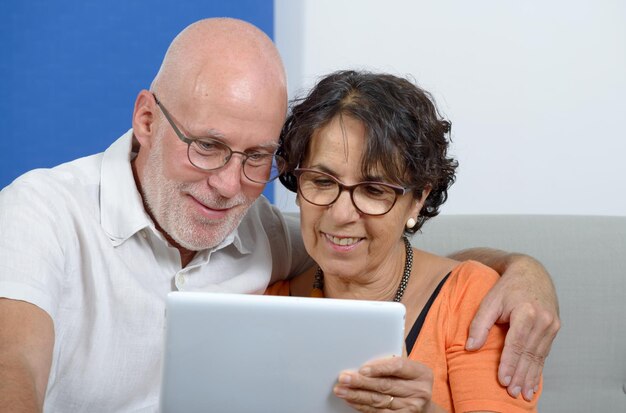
point(75, 241)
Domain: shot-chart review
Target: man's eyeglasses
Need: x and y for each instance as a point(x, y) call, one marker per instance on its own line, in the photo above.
point(210, 154)
point(370, 198)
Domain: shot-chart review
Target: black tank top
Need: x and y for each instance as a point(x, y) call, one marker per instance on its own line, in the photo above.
point(417, 327)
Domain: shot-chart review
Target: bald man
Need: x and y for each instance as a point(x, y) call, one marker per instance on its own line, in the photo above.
point(90, 249)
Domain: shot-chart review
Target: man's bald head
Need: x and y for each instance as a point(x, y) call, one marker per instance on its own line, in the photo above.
point(221, 79)
point(220, 56)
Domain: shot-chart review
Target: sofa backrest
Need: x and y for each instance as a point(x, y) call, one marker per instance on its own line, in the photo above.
point(586, 257)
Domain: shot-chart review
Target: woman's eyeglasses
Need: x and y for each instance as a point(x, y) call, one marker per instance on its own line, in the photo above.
point(370, 198)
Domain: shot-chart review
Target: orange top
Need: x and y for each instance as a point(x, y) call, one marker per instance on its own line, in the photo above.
point(463, 380)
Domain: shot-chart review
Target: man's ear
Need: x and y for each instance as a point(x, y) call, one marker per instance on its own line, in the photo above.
point(144, 117)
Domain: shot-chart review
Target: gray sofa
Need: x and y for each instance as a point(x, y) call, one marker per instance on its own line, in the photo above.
point(586, 256)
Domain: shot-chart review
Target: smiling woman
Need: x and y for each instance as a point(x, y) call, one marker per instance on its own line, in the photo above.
point(367, 155)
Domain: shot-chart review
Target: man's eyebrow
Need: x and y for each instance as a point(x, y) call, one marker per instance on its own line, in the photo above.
point(268, 145)
point(212, 134)
point(219, 136)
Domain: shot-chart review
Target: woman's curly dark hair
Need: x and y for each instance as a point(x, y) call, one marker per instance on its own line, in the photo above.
point(406, 137)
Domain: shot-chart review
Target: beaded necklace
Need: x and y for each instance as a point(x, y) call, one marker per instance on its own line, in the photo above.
point(318, 282)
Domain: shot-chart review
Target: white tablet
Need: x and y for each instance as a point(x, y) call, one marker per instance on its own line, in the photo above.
point(252, 353)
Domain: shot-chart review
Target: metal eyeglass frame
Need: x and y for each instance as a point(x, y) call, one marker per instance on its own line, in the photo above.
point(190, 141)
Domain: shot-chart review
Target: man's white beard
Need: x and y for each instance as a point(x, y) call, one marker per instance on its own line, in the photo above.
point(165, 201)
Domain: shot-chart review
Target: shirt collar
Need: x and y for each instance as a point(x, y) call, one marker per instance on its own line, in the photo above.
point(242, 244)
point(121, 208)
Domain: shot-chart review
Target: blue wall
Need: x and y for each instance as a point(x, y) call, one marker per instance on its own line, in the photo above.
point(70, 70)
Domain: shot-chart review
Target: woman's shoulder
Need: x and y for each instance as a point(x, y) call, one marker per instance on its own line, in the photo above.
point(468, 283)
point(299, 286)
point(278, 288)
point(470, 270)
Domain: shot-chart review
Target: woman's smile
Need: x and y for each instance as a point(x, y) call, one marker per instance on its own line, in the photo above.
point(342, 241)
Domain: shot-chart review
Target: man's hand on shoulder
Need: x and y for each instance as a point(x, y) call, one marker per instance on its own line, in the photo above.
point(525, 298)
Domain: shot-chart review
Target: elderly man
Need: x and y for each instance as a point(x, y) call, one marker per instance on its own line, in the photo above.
point(90, 249)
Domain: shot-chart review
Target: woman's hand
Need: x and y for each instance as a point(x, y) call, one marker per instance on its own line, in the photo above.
point(394, 384)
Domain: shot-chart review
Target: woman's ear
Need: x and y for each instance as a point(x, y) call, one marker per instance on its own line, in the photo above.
point(421, 201)
point(144, 117)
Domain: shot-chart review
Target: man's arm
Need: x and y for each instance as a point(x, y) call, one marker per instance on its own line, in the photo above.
point(26, 344)
point(526, 298)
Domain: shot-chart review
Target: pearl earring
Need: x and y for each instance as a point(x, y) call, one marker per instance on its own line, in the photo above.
point(410, 223)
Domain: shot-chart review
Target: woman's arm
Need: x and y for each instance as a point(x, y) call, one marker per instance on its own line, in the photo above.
point(524, 297)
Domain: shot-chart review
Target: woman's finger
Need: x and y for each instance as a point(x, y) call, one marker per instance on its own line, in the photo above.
point(392, 386)
point(365, 397)
point(400, 367)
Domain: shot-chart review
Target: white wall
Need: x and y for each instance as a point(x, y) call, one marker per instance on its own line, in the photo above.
point(535, 90)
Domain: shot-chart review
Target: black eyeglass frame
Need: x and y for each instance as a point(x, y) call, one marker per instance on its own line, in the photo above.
point(231, 152)
point(398, 190)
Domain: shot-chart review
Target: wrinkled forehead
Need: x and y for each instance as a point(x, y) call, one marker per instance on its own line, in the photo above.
point(341, 136)
point(236, 80)
point(347, 137)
